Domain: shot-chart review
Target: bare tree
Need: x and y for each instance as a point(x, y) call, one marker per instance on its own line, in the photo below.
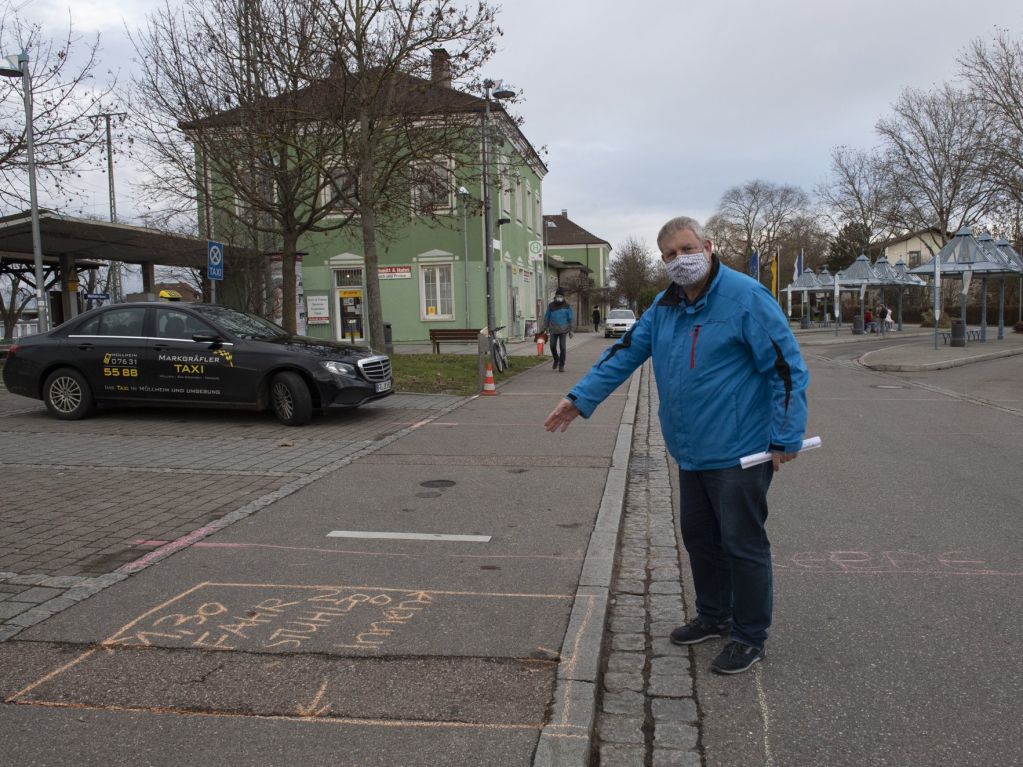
point(939, 160)
point(804, 234)
point(302, 115)
point(632, 272)
point(859, 192)
point(230, 107)
point(65, 95)
point(409, 131)
point(755, 217)
point(995, 74)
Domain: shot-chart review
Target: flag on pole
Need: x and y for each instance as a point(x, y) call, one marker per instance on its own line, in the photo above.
point(754, 266)
point(774, 276)
point(797, 268)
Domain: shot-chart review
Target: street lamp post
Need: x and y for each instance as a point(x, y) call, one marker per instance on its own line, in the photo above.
point(17, 66)
point(463, 195)
point(497, 91)
point(546, 288)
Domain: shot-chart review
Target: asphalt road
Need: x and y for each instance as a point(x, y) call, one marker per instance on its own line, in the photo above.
point(275, 642)
point(897, 555)
point(898, 568)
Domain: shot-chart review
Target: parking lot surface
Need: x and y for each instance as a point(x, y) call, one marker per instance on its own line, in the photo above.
point(84, 498)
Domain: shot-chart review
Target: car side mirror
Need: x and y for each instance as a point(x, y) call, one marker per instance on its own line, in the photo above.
point(206, 338)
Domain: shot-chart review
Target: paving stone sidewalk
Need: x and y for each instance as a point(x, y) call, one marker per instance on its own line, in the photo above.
point(648, 710)
point(87, 498)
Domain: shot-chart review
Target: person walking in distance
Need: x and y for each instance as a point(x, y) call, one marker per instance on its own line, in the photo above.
point(596, 319)
point(732, 382)
point(557, 322)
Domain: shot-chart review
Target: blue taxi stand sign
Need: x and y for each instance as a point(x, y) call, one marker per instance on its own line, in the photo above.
point(214, 260)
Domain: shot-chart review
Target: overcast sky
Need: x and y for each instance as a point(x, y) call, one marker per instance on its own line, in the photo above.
point(653, 108)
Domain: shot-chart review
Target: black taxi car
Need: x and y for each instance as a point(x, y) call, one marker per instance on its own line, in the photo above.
point(191, 355)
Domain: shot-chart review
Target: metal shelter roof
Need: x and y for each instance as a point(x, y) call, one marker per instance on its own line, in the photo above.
point(805, 281)
point(908, 279)
point(101, 240)
point(887, 274)
point(963, 253)
point(860, 272)
point(1007, 250)
point(824, 279)
point(998, 256)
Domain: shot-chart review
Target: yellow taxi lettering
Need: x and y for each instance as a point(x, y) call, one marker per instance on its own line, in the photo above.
point(198, 369)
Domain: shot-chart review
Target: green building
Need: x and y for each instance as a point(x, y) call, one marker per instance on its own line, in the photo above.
point(578, 261)
point(432, 268)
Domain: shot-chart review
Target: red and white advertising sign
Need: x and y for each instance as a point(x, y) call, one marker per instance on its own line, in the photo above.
point(395, 272)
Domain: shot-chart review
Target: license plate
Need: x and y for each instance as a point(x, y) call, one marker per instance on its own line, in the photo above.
point(383, 386)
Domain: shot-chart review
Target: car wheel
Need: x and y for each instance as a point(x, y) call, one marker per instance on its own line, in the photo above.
point(67, 395)
point(290, 399)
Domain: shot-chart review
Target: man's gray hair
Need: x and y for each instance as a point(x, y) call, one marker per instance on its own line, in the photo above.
point(678, 224)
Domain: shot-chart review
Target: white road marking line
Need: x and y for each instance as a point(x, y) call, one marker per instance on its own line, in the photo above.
point(765, 716)
point(408, 536)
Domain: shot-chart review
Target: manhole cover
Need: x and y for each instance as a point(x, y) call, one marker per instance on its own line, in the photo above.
point(438, 483)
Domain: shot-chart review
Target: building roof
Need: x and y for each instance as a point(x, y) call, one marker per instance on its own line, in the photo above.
point(566, 232)
point(326, 99)
point(934, 231)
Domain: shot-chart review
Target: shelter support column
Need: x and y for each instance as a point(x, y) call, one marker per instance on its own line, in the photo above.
point(68, 283)
point(148, 277)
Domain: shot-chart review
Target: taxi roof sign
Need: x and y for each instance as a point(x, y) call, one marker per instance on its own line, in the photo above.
point(170, 295)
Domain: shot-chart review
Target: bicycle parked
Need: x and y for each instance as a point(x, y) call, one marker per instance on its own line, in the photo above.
point(498, 349)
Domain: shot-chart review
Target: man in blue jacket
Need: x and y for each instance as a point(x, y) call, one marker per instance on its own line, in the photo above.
point(731, 382)
point(558, 321)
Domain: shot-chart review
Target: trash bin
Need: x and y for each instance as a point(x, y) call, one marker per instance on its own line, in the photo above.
point(857, 327)
point(388, 339)
point(958, 337)
point(804, 321)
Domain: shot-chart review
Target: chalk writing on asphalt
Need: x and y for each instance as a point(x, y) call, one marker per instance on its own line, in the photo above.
point(899, 561)
point(225, 617)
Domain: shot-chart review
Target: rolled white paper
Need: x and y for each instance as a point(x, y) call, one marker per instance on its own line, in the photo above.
point(752, 460)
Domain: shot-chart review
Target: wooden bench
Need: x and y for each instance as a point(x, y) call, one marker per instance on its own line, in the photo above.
point(439, 336)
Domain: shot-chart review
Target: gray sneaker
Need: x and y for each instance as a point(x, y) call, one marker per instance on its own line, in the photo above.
point(736, 657)
point(697, 631)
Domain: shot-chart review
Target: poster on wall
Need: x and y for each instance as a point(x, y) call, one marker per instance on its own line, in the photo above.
point(395, 272)
point(277, 291)
point(318, 310)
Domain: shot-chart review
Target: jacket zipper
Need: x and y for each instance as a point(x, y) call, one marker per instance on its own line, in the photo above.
point(692, 350)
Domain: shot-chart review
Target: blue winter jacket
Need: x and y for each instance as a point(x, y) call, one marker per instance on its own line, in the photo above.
point(559, 317)
point(729, 373)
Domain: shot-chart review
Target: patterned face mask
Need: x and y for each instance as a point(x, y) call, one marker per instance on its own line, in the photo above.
point(686, 270)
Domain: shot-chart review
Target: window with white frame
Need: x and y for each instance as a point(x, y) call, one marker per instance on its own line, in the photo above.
point(431, 186)
point(506, 192)
point(520, 199)
point(340, 190)
point(436, 291)
point(529, 207)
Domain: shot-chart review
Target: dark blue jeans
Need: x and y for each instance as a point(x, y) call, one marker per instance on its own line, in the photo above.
point(558, 343)
point(723, 512)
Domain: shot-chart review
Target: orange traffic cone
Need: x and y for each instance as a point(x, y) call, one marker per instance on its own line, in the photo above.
point(488, 382)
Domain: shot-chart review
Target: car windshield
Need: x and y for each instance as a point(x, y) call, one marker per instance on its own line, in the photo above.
point(242, 324)
point(621, 314)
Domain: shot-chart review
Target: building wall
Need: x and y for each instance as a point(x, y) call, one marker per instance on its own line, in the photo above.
point(914, 249)
point(409, 254)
